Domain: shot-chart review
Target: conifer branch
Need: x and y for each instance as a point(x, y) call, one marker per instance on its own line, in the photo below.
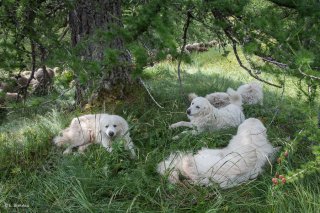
point(228, 32)
point(272, 61)
point(309, 76)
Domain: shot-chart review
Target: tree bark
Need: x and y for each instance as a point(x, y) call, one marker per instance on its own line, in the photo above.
point(89, 22)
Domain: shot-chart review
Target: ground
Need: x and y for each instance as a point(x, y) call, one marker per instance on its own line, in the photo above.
point(36, 177)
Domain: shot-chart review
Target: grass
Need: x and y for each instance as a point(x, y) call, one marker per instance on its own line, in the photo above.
point(36, 174)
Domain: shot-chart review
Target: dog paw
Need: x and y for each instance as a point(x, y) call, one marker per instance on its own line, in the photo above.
point(173, 126)
point(67, 151)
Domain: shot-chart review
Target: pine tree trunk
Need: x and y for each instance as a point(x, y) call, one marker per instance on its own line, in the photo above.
point(90, 17)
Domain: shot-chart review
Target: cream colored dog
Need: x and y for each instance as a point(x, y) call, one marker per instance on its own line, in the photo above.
point(243, 159)
point(251, 93)
point(205, 117)
point(95, 128)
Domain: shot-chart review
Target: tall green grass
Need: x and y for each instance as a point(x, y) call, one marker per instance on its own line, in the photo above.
point(36, 174)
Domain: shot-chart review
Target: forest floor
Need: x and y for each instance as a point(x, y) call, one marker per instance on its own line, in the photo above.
point(36, 177)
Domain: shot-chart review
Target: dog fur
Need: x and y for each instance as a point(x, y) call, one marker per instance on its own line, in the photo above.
point(205, 117)
point(94, 128)
point(251, 94)
point(243, 159)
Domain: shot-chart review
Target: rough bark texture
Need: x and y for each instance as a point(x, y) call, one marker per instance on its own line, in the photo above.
point(86, 21)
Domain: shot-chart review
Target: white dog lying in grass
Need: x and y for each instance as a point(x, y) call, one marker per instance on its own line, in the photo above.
point(251, 94)
point(205, 117)
point(243, 159)
point(95, 128)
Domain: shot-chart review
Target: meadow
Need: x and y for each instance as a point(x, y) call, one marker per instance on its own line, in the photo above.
point(36, 177)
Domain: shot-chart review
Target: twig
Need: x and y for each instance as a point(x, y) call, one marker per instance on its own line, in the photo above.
point(281, 99)
point(64, 33)
point(185, 31)
point(272, 61)
point(33, 58)
point(309, 76)
point(234, 47)
point(52, 100)
point(144, 85)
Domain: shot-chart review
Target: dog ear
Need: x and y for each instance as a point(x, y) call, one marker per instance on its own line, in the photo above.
point(192, 96)
point(123, 126)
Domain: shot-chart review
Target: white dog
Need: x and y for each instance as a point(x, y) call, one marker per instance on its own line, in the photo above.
point(94, 128)
point(251, 94)
point(205, 117)
point(243, 159)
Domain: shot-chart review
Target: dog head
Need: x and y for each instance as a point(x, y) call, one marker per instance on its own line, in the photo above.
point(199, 107)
point(114, 126)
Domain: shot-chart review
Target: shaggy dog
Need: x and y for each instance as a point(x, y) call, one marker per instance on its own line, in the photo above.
point(251, 94)
point(95, 128)
point(205, 117)
point(243, 159)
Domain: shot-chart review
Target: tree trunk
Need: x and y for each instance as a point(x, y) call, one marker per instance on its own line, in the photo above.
point(89, 22)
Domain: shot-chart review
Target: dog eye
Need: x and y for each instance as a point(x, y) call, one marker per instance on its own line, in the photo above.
point(197, 107)
point(192, 103)
point(114, 125)
point(107, 126)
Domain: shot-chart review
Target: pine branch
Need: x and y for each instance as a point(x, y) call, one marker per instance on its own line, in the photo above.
point(272, 61)
point(234, 47)
point(309, 76)
point(228, 32)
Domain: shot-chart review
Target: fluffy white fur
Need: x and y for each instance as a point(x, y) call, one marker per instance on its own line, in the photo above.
point(205, 117)
point(243, 159)
point(94, 128)
point(218, 99)
point(251, 93)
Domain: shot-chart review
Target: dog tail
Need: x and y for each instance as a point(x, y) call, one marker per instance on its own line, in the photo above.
point(62, 138)
point(235, 97)
point(192, 96)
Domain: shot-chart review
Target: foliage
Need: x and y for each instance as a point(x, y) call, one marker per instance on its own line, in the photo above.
point(278, 40)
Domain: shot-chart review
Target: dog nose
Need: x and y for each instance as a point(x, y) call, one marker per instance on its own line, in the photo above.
point(188, 111)
point(111, 134)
